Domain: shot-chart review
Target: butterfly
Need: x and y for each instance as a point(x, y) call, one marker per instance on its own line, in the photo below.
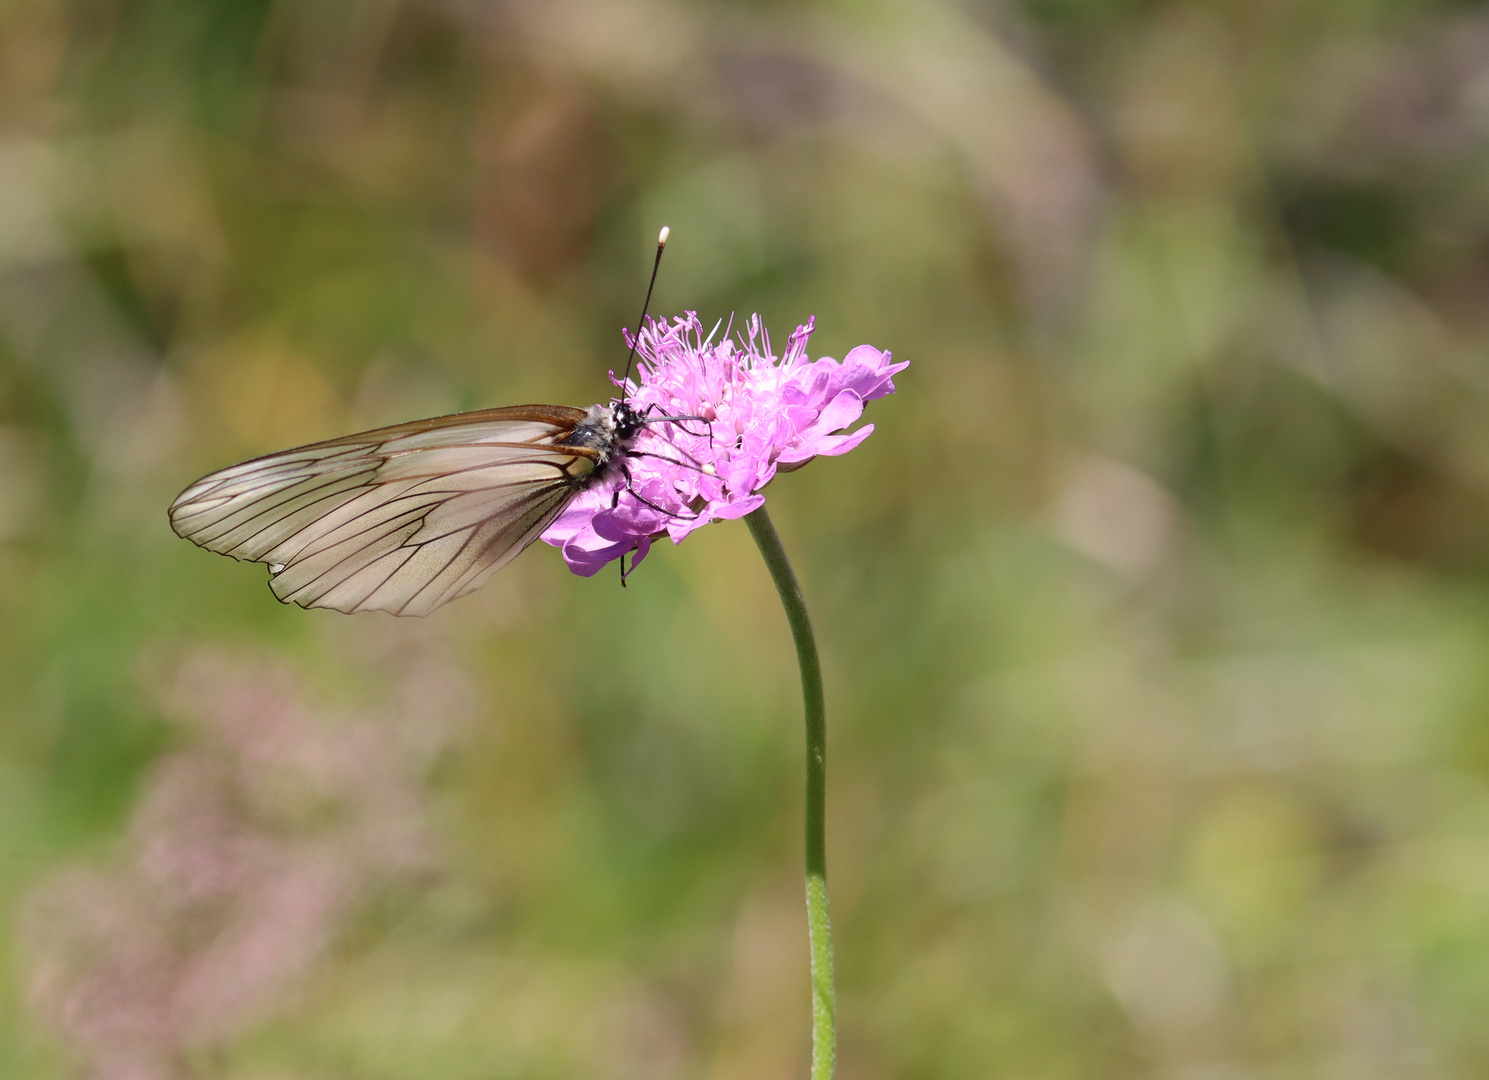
point(409, 517)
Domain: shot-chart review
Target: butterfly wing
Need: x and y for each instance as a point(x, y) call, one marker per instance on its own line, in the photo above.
point(401, 519)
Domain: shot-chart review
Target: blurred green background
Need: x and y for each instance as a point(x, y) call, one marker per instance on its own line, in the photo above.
point(1155, 613)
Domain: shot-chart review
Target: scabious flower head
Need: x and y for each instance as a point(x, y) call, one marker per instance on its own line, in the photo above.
point(759, 414)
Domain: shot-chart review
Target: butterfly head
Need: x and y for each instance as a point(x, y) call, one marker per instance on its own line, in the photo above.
point(626, 421)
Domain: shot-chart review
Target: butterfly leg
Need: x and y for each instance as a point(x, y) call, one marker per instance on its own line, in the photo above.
point(630, 489)
point(668, 418)
point(692, 464)
point(644, 501)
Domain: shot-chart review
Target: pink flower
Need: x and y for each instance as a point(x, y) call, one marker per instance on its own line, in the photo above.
point(251, 846)
point(760, 415)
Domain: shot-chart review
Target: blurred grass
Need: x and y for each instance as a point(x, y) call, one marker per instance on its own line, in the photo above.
point(1154, 613)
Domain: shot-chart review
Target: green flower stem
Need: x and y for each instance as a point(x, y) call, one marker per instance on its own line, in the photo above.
point(819, 930)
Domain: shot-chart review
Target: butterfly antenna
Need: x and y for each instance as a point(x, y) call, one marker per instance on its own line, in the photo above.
point(661, 244)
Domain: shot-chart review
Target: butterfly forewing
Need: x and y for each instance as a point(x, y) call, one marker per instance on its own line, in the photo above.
point(400, 519)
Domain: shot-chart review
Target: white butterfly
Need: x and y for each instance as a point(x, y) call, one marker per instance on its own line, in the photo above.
point(406, 518)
